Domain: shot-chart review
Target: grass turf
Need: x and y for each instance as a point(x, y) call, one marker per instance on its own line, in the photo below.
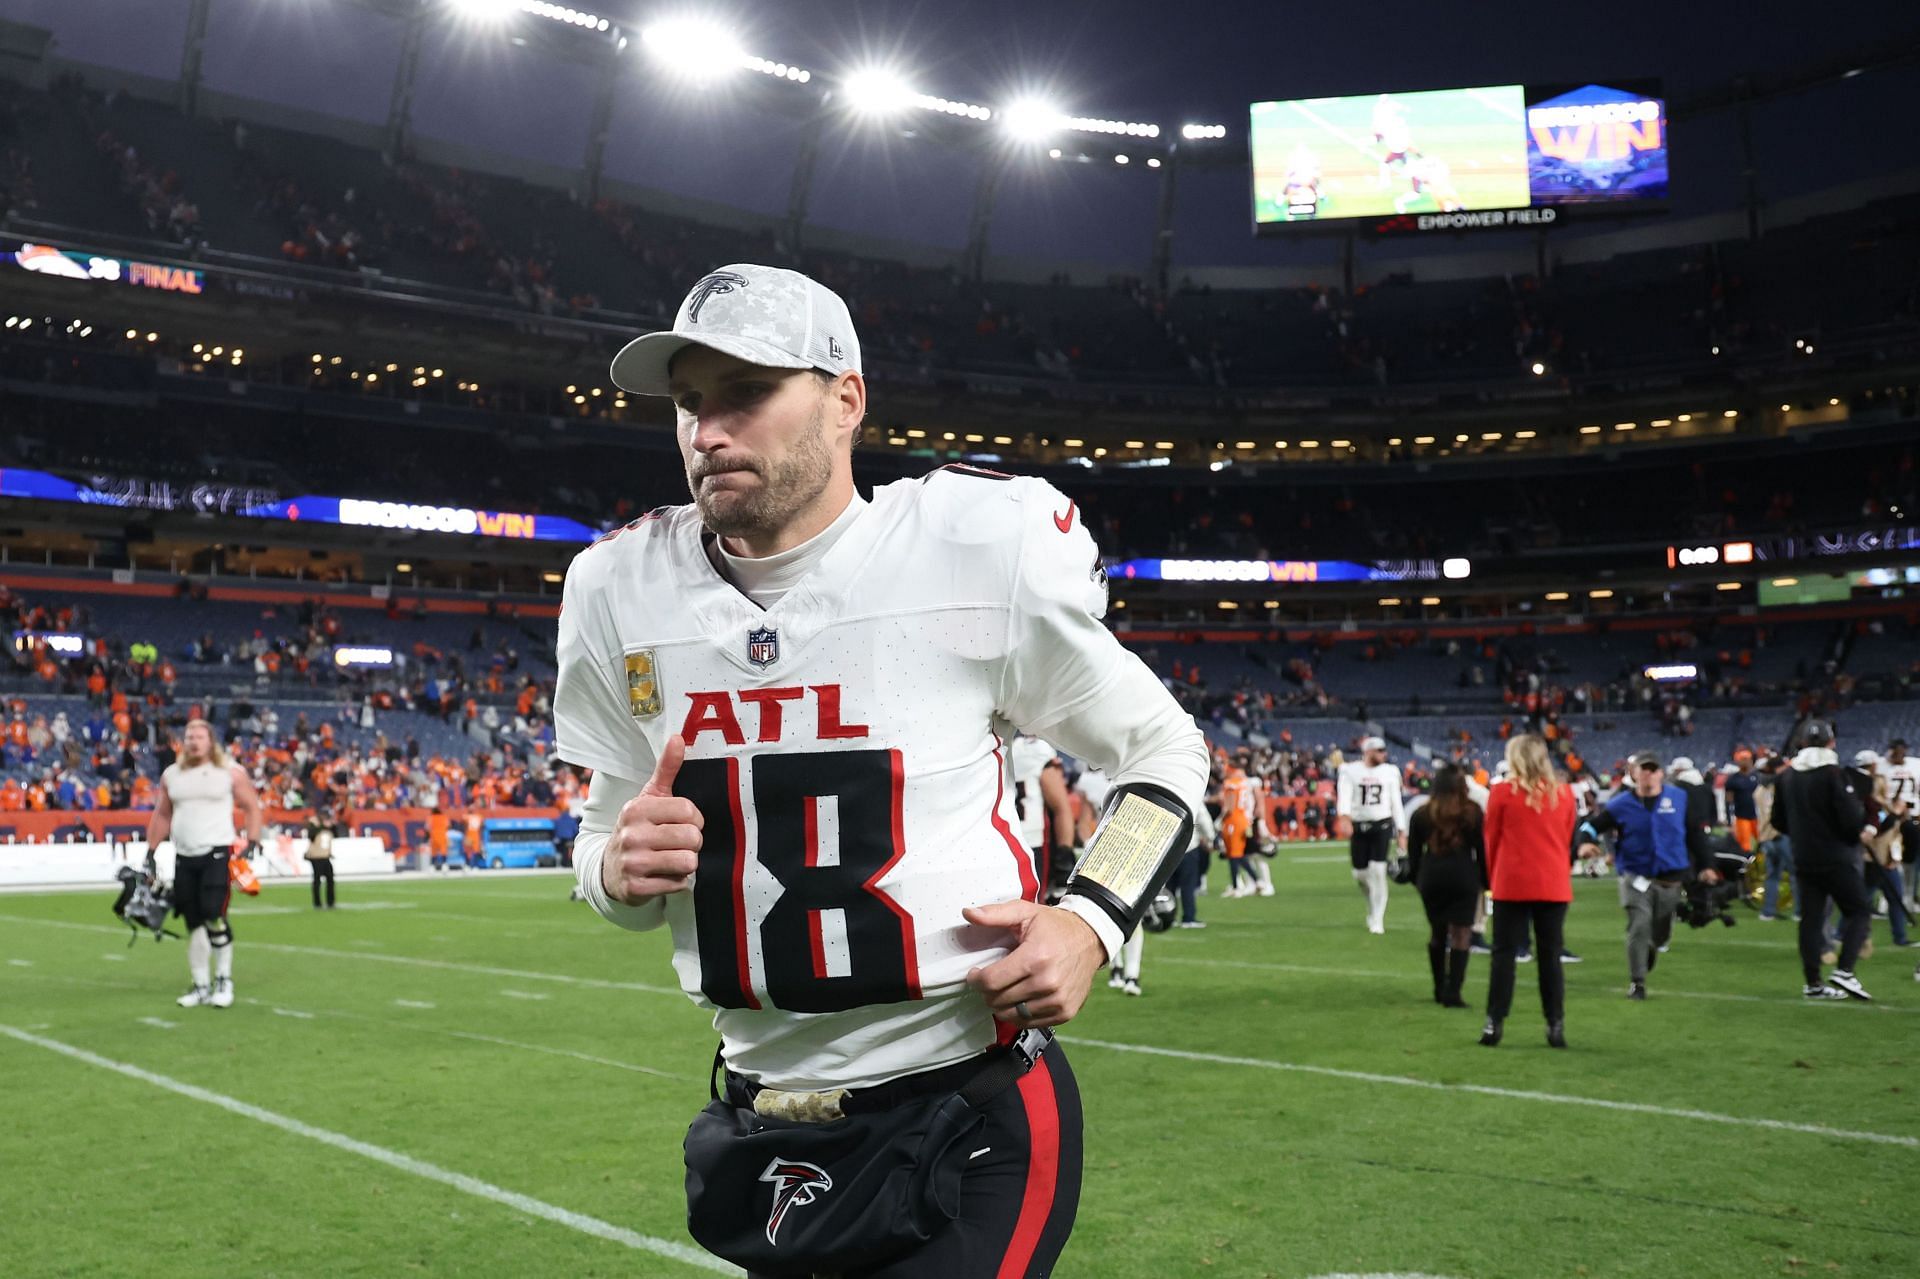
point(576, 1092)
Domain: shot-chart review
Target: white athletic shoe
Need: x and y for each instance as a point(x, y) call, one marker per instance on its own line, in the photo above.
point(1116, 981)
point(1376, 928)
point(1846, 981)
point(1132, 986)
point(1195, 923)
point(1264, 890)
point(222, 992)
point(197, 997)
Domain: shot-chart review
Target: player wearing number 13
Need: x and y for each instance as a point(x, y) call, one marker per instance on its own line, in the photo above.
point(797, 703)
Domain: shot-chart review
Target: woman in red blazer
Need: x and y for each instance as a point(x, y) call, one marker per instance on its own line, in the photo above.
point(1530, 820)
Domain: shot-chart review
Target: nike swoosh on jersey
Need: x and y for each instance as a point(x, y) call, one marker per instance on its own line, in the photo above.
point(1064, 522)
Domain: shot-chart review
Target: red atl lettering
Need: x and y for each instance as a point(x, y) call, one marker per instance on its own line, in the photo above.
point(715, 713)
point(830, 725)
point(768, 700)
point(711, 711)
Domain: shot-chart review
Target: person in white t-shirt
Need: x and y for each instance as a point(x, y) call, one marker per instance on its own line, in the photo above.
point(797, 705)
point(198, 795)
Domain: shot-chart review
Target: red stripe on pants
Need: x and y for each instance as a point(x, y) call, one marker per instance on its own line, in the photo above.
point(1043, 1169)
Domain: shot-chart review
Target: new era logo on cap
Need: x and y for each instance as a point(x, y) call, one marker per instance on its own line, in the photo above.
point(761, 314)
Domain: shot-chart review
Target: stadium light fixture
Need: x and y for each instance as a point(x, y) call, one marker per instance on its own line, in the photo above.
point(1556, 595)
point(1430, 600)
point(1727, 586)
point(489, 11)
point(1539, 369)
point(700, 51)
point(778, 70)
point(1032, 120)
point(1153, 162)
point(1120, 159)
point(1525, 435)
point(561, 13)
point(1203, 132)
point(875, 91)
point(1456, 569)
point(1123, 128)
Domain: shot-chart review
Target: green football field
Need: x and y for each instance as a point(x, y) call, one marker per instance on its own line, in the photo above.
point(474, 1076)
point(1480, 134)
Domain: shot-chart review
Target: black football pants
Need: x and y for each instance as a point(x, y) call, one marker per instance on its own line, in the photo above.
point(1018, 1200)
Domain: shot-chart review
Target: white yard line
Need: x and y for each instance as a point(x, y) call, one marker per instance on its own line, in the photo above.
point(1511, 1094)
point(518, 974)
point(1656, 992)
point(417, 1028)
point(479, 1189)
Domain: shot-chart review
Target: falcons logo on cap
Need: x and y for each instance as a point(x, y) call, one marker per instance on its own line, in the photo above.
point(794, 1184)
point(718, 282)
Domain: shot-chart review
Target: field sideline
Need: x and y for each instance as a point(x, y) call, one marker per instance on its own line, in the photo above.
point(475, 1076)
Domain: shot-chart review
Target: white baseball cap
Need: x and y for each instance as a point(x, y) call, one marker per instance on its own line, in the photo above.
point(764, 315)
point(1865, 759)
point(1373, 744)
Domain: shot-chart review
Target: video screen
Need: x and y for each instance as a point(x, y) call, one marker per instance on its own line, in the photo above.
point(1504, 147)
point(1596, 144)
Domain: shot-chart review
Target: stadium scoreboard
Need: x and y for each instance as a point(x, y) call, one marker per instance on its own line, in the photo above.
point(1499, 156)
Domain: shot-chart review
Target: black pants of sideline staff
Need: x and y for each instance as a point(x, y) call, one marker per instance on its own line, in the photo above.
point(1510, 920)
point(1842, 884)
point(322, 869)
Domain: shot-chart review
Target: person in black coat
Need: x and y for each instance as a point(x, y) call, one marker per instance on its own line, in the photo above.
point(1815, 808)
point(1447, 861)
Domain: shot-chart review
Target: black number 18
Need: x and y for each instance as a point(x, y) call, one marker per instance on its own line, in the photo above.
point(880, 964)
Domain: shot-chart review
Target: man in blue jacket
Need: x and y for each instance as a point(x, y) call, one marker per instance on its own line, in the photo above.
point(1650, 855)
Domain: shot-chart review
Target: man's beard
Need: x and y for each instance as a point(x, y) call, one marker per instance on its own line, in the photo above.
point(790, 485)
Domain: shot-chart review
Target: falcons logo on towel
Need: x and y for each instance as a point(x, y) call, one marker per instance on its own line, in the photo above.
point(794, 1184)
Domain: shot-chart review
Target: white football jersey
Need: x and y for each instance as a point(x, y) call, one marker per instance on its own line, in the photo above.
point(1370, 793)
point(1027, 758)
point(847, 749)
point(202, 799)
point(1903, 782)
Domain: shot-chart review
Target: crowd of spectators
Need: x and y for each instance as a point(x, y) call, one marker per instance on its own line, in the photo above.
point(123, 705)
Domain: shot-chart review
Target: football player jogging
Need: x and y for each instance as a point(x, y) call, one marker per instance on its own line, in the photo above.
point(198, 795)
point(1367, 801)
point(796, 704)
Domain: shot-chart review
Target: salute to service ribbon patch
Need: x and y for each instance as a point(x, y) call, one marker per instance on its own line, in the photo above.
point(643, 685)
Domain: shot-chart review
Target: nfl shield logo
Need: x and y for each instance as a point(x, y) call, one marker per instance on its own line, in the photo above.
point(763, 646)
